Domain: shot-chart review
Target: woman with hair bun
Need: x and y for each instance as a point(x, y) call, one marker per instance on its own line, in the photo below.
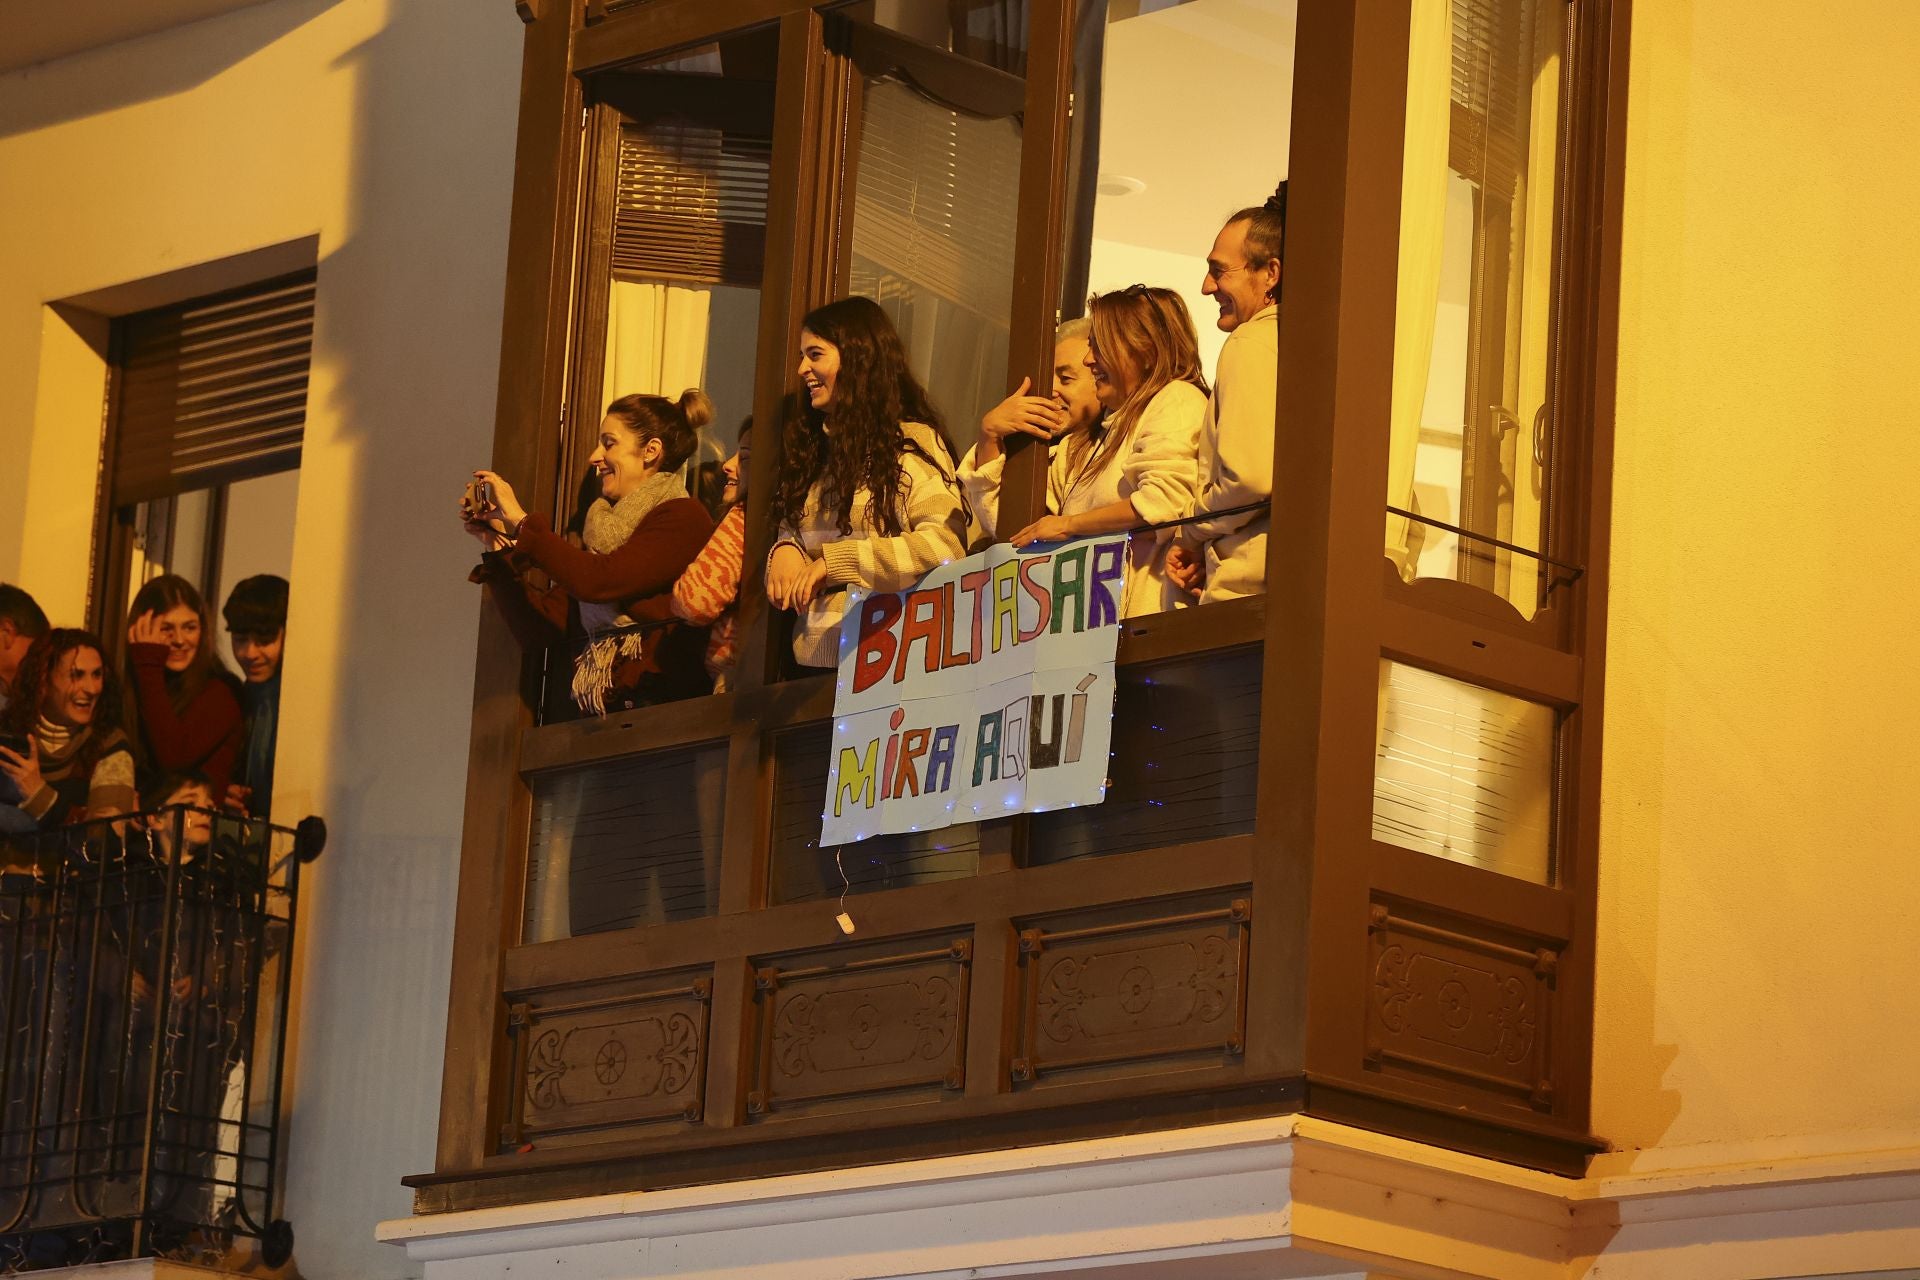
point(868, 494)
point(643, 530)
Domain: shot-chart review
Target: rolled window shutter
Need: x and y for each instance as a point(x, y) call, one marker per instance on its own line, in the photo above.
point(213, 390)
point(936, 198)
point(692, 203)
point(1492, 47)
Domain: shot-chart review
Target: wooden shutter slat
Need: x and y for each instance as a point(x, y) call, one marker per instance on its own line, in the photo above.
point(213, 390)
point(691, 203)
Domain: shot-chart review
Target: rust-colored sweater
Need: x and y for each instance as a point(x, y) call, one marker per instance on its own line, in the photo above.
point(205, 737)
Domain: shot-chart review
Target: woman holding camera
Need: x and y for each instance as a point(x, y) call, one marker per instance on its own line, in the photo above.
point(868, 494)
point(639, 535)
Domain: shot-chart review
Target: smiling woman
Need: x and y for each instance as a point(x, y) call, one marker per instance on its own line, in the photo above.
point(638, 536)
point(185, 710)
point(61, 745)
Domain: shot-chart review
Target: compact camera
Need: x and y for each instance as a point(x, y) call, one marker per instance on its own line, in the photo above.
point(476, 504)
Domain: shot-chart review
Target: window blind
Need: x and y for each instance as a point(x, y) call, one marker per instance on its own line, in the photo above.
point(213, 390)
point(692, 203)
point(936, 196)
point(1492, 83)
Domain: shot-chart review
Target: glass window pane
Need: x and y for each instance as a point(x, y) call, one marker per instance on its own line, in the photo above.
point(1464, 773)
point(1186, 757)
point(1472, 389)
point(626, 843)
point(1158, 158)
point(688, 238)
point(805, 872)
point(935, 192)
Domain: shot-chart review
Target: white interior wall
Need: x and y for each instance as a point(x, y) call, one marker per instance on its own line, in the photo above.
point(385, 128)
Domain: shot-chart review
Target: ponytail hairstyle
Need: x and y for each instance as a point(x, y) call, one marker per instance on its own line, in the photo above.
point(674, 423)
point(1266, 231)
point(1147, 331)
point(163, 594)
point(873, 393)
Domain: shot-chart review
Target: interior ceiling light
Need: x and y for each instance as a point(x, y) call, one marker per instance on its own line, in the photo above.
point(1119, 184)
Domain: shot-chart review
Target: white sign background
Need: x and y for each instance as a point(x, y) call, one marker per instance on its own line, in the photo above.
point(985, 690)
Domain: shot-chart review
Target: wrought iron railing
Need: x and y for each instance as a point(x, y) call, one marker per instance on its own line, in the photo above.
point(144, 965)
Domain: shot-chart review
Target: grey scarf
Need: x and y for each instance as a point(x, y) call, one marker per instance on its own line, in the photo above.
point(609, 525)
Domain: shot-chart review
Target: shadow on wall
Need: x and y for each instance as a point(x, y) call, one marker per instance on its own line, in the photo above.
point(406, 362)
point(128, 75)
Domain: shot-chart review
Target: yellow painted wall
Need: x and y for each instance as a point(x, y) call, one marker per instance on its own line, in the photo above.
point(1760, 913)
point(385, 128)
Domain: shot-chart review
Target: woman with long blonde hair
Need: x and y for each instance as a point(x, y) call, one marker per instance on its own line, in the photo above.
point(1137, 464)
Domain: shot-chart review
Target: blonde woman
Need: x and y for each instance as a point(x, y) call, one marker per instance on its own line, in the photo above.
point(1136, 465)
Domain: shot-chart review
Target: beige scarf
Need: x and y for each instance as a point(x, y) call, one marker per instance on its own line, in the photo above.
point(608, 527)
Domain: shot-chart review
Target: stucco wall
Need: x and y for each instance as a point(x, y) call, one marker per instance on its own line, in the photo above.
point(386, 129)
point(1761, 873)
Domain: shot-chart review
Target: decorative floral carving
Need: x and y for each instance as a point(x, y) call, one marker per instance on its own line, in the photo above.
point(1515, 1018)
point(1391, 992)
point(679, 1053)
point(794, 1034)
point(610, 1063)
point(545, 1066)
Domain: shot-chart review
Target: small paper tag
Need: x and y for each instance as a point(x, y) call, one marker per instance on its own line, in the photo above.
point(845, 922)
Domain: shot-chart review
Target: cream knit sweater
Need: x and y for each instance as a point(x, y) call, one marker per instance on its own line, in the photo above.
point(1236, 460)
point(1154, 471)
point(934, 524)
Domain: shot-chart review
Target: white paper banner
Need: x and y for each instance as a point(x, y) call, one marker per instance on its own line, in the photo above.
point(985, 690)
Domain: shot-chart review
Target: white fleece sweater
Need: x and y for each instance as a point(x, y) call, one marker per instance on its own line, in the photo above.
point(934, 531)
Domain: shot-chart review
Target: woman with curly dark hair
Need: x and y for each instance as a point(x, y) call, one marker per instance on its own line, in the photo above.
point(868, 494)
point(61, 742)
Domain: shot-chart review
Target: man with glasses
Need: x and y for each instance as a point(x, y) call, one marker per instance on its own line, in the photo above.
point(1222, 557)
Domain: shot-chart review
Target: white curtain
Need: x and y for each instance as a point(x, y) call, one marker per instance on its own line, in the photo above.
point(656, 339)
point(1423, 218)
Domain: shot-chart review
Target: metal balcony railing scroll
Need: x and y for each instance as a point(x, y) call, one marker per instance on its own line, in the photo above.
point(144, 966)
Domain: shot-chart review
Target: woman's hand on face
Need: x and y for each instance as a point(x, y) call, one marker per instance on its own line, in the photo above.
point(505, 504)
point(24, 770)
point(1020, 413)
point(786, 569)
point(1045, 529)
point(145, 629)
point(1185, 569)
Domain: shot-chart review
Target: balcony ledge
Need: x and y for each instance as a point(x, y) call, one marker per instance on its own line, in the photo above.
point(1284, 1197)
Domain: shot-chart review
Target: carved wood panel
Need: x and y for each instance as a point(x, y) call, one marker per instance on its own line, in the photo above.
point(1450, 1003)
point(879, 1024)
point(612, 1061)
point(1134, 990)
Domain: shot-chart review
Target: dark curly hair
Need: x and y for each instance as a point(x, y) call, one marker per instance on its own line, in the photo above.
point(873, 394)
point(35, 680)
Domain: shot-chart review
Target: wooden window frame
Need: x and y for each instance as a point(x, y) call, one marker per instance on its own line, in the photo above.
point(1322, 895)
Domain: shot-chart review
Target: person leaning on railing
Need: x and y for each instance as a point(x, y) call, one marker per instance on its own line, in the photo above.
point(1136, 465)
point(868, 494)
point(61, 742)
point(641, 533)
point(1223, 557)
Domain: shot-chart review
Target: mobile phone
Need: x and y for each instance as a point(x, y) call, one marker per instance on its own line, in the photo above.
point(16, 743)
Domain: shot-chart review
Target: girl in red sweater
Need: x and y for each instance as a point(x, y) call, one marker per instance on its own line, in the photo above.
point(184, 712)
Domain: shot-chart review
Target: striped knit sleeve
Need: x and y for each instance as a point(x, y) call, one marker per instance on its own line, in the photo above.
point(110, 788)
point(982, 483)
point(936, 532)
point(710, 584)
